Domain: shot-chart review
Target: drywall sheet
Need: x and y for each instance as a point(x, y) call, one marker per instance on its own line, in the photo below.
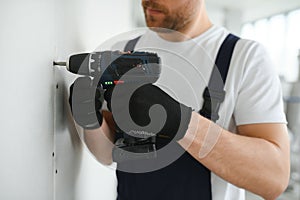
point(42, 156)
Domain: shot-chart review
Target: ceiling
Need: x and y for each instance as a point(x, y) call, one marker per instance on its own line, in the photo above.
point(252, 4)
point(254, 9)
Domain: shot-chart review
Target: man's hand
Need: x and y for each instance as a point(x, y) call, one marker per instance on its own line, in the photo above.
point(86, 103)
point(177, 115)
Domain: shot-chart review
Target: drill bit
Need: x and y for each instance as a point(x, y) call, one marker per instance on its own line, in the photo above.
point(59, 63)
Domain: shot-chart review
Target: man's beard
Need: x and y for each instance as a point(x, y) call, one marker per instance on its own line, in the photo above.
point(172, 21)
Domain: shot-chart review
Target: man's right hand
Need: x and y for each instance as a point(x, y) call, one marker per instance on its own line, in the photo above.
point(86, 102)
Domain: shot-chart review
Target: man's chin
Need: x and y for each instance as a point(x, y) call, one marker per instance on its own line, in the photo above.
point(160, 29)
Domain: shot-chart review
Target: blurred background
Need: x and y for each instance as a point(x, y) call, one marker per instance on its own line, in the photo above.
point(42, 156)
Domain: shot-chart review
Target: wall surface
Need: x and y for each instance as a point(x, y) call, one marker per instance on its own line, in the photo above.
point(26, 103)
point(42, 157)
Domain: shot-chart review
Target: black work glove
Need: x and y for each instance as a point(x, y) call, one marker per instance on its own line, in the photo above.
point(177, 115)
point(86, 103)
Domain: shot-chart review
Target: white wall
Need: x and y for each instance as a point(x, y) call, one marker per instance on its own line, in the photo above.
point(230, 18)
point(35, 119)
point(26, 117)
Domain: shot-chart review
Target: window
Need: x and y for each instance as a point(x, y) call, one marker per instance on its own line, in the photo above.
point(280, 35)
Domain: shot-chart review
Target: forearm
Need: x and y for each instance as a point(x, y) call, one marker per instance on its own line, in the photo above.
point(247, 162)
point(100, 142)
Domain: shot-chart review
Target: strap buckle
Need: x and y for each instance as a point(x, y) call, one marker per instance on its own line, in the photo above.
point(211, 105)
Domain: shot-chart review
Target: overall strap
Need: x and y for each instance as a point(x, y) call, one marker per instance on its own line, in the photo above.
point(131, 44)
point(214, 93)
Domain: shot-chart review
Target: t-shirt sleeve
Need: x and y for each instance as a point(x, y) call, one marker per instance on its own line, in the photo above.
point(259, 98)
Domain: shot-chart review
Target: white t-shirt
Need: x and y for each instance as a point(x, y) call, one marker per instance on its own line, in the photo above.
point(253, 92)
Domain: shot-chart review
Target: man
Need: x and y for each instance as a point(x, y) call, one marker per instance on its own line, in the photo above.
point(247, 148)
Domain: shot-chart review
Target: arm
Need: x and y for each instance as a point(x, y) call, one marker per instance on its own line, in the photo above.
point(257, 159)
point(100, 141)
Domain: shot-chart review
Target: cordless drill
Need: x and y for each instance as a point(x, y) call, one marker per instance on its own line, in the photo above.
point(110, 66)
point(107, 68)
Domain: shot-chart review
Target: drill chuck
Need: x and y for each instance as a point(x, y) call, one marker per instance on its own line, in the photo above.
point(76, 64)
